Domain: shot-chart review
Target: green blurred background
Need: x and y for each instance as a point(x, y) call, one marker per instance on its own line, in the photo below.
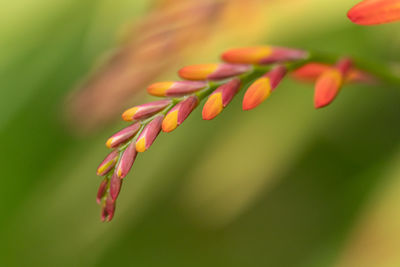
point(282, 185)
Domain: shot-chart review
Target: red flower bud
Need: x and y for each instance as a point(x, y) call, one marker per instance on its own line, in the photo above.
point(102, 190)
point(115, 186)
point(263, 55)
point(175, 89)
point(108, 210)
point(212, 71)
point(123, 135)
point(108, 163)
point(149, 134)
point(126, 161)
point(146, 110)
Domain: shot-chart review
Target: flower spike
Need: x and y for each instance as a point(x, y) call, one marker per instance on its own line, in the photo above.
point(219, 83)
point(212, 71)
point(149, 134)
point(108, 163)
point(146, 110)
point(262, 87)
point(179, 113)
point(220, 98)
point(123, 135)
point(372, 12)
point(126, 161)
point(175, 89)
point(329, 83)
point(263, 55)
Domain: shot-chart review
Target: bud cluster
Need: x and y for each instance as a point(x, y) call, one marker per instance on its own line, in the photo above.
point(259, 69)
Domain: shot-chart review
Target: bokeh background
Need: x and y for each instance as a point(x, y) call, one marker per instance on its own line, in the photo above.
point(281, 185)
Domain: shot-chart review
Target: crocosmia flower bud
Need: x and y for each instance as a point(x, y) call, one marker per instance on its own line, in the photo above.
point(149, 134)
point(146, 110)
point(123, 135)
point(263, 55)
point(102, 190)
point(179, 113)
point(330, 82)
point(108, 209)
point(262, 87)
point(175, 89)
point(126, 161)
point(370, 12)
point(108, 163)
point(115, 186)
point(212, 71)
point(220, 98)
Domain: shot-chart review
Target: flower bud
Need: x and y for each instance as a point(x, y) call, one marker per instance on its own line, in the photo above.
point(212, 71)
point(108, 209)
point(262, 87)
point(115, 186)
point(146, 110)
point(179, 113)
point(108, 163)
point(176, 89)
point(102, 190)
point(123, 135)
point(371, 12)
point(149, 134)
point(330, 82)
point(220, 98)
point(263, 55)
point(310, 71)
point(327, 87)
point(126, 161)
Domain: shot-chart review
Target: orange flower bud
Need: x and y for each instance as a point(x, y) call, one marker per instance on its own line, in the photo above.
point(212, 71)
point(310, 71)
point(370, 12)
point(262, 87)
point(327, 87)
point(330, 82)
point(263, 55)
point(175, 89)
point(220, 98)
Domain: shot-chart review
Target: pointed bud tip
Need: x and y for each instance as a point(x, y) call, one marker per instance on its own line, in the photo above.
point(129, 113)
point(160, 88)
point(212, 107)
point(256, 93)
point(327, 87)
point(170, 121)
point(141, 145)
